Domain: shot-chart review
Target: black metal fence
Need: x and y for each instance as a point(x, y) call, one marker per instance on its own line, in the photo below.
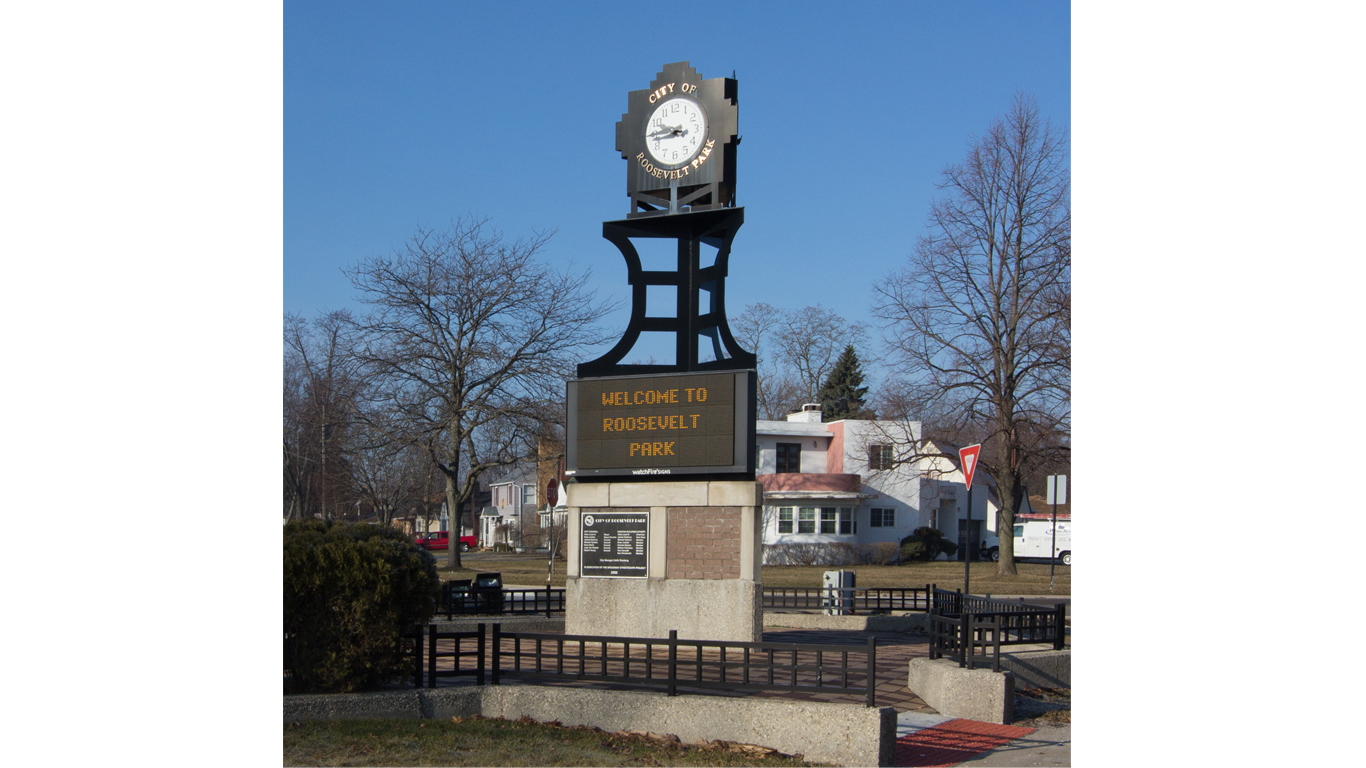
point(959, 638)
point(457, 602)
point(960, 624)
point(673, 663)
point(667, 663)
point(871, 599)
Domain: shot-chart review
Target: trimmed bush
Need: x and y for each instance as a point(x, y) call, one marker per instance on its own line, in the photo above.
point(351, 591)
point(931, 543)
point(914, 550)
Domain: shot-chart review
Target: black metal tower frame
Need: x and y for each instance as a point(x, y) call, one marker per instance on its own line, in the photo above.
point(696, 318)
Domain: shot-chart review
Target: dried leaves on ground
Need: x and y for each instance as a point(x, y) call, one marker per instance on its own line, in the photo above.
point(491, 741)
point(1042, 707)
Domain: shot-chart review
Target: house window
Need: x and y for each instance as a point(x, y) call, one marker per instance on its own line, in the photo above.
point(880, 457)
point(848, 527)
point(529, 494)
point(789, 458)
point(785, 520)
point(828, 520)
point(881, 518)
point(806, 520)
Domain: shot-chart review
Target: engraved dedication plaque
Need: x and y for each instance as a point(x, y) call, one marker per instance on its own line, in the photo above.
point(615, 545)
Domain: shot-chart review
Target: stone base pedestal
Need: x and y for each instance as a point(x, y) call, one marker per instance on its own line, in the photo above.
point(704, 559)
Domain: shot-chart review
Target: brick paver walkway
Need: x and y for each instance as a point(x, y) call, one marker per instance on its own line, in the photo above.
point(953, 742)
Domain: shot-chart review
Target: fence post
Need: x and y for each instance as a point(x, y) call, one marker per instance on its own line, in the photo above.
point(1061, 634)
point(965, 646)
point(497, 650)
point(431, 655)
point(934, 633)
point(547, 601)
point(673, 662)
point(872, 671)
point(417, 665)
point(996, 635)
point(478, 656)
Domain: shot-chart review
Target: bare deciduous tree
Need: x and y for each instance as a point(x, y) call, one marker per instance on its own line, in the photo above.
point(322, 382)
point(469, 334)
point(811, 340)
point(977, 323)
point(388, 474)
point(754, 329)
point(796, 351)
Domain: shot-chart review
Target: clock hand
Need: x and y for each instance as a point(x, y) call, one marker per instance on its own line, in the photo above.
point(668, 131)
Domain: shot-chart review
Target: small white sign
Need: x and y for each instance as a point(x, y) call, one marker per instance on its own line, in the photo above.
point(1057, 489)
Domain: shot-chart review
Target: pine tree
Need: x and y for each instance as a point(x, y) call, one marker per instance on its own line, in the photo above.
point(840, 396)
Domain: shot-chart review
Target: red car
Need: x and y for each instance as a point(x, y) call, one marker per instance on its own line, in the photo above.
point(441, 540)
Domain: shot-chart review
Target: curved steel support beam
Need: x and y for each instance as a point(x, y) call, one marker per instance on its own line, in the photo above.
point(716, 228)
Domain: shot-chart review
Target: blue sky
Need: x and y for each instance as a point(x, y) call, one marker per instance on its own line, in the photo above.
point(406, 115)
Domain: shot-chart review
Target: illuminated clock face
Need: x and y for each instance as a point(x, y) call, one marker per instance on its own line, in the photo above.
point(676, 132)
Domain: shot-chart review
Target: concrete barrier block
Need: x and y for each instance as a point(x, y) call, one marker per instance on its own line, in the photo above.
point(975, 694)
point(713, 609)
point(445, 703)
point(351, 706)
point(913, 622)
point(843, 734)
point(1040, 669)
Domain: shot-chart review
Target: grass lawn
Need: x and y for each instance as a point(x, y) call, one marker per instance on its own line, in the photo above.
point(1031, 579)
point(483, 741)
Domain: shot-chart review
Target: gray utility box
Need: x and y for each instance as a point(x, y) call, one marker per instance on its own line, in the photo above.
point(837, 593)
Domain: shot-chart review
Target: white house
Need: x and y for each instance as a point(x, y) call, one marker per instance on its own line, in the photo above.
point(838, 482)
point(513, 494)
point(946, 494)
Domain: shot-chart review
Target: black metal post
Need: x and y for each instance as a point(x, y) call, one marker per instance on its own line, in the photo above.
point(965, 645)
point(431, 655)
point(479, 657)
point(872, 672)
point(1053, 560)
point(967, 552)
point(497, 650)
point(417, 657)
point(1061, 620)
point(996, 637)
point(673, 662)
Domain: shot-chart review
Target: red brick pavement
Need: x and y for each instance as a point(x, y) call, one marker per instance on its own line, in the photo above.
point(953, 742)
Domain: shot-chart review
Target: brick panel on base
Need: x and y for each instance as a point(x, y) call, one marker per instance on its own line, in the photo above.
point(704, 543)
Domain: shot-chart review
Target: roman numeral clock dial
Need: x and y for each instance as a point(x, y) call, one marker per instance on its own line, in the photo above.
point(676, 132)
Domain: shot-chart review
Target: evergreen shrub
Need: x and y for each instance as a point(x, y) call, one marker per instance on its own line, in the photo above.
point(351, 591)
point(926, 543)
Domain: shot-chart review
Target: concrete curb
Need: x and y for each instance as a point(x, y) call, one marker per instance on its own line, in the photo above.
point(509, 624)
point(842, 734)
point(913, 622)
point(973, 694)
point(1040, 669)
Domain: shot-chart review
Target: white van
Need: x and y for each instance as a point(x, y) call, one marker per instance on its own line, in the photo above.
point(1033, 539)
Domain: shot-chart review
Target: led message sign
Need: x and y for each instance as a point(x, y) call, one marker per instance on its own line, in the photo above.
point(685, 423)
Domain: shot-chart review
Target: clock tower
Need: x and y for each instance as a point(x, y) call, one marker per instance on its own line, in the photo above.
point(678, 138)
point(664, 513)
